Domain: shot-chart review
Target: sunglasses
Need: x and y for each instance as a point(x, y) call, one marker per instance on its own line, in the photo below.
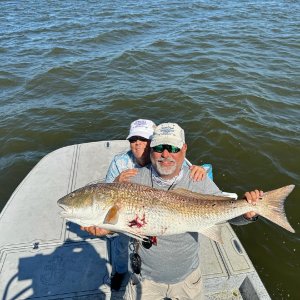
point(135, 263)
point(137, 138)
point(135, 259)
point(170, 148)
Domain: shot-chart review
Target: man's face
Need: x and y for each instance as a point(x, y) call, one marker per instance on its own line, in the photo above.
point(167, 164)
point(140, 148)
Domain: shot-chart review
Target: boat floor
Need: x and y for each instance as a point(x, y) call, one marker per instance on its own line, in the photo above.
point(43, 257)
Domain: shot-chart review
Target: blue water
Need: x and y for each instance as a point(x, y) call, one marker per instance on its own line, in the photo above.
point(226, 71)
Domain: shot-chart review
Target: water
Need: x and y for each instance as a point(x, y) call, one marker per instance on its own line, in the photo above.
point(227, 71)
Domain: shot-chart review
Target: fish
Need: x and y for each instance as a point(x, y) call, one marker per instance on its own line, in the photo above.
point(141, 211)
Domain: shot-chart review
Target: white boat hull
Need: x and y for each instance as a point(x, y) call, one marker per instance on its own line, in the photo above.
point(43, 257)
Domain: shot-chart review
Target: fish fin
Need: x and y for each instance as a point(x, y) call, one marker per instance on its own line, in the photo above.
point(130, 234)
point(187, 193)
point(272, 206)
point(214, 233)
point(112, 215)
point(139, 237)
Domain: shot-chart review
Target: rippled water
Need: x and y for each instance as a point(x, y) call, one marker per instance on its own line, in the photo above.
point(227, 71)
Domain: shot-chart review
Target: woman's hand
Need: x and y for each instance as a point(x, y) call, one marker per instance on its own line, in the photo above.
point(126, 175)
point(197, 173)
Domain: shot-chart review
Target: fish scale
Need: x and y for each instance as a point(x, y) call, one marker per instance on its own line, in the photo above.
point(144, 211)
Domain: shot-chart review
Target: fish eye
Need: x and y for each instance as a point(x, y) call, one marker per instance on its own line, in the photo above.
point(72, 195)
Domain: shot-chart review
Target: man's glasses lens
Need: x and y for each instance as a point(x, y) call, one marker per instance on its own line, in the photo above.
point(170, 148)
point(137, 138)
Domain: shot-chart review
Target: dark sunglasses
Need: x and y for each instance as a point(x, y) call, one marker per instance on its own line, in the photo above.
point(170, 148)
point(135, 259)
point(135, 263)
point(137, 138)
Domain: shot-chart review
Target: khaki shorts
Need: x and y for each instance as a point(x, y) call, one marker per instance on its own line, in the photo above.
point(190, 288)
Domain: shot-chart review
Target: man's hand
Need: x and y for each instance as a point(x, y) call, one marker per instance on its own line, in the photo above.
point(126, 175)
point(252, 197)
point(94, 230)
point(197, 173)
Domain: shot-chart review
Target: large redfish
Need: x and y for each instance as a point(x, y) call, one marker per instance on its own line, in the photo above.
point(142, 211)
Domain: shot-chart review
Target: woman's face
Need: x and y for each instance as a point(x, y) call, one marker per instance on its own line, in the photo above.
point(140, 148)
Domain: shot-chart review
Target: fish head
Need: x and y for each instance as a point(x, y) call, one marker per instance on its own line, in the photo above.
point(82, 207)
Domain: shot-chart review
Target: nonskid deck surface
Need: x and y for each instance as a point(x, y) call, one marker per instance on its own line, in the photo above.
point(43, 257)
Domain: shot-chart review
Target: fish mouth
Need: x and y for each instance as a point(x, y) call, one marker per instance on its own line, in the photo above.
point(69, 214)
point(66, 212)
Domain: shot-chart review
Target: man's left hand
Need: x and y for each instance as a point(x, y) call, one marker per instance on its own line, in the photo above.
point(252, 197)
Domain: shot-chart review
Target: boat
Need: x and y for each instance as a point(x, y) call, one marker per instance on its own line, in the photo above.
point(44, 257)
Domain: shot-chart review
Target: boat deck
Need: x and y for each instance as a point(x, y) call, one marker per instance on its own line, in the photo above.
point(43, 257)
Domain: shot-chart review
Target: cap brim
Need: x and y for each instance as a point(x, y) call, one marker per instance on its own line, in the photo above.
point(166, 141)
point(141, 134)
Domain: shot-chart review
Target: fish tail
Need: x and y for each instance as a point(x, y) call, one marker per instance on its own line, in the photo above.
point(272, 206)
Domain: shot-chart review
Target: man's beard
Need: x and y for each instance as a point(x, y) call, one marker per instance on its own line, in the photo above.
point(164, 170)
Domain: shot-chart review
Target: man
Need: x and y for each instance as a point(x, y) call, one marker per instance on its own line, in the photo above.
point(170, 269)
point(122, 168)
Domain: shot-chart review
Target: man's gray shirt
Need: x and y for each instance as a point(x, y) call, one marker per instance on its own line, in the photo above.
point(175, 256)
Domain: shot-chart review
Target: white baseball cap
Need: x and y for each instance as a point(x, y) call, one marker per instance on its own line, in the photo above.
point(141, 127)
point(168, 134)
